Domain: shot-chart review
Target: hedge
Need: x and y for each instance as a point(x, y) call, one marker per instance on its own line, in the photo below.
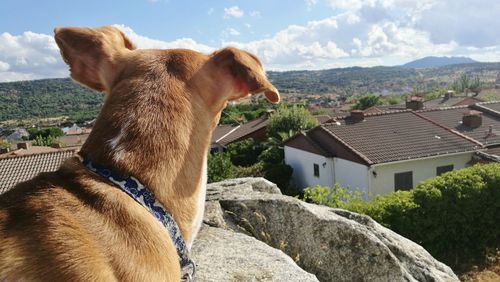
point(455, 216)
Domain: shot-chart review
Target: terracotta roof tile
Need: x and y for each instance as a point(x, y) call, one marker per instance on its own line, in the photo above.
point(452, 118)
point(244, 130)
point(397, 136)
point(17, 169)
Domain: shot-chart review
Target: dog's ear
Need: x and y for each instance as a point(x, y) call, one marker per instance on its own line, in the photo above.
point(91, 52)
point(246, 75)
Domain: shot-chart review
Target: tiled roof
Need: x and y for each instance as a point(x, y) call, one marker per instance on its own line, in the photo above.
point(221, 130)
point(303, 142)
point(443, 102)
point(323, 118)
point(396, 136)
point(493, 151)
point(74, 140)
point(468, 101)
point(17, 169)
point(30, 151)
point(493, 107)
point(452, 118)
point(244, 130)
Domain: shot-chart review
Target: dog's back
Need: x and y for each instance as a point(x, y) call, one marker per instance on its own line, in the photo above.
point(69, 225)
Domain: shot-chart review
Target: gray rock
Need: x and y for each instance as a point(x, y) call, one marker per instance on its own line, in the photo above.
point(224, 255)
point(333, 244)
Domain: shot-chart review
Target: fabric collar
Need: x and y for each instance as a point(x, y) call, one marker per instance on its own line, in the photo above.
point(146, 198)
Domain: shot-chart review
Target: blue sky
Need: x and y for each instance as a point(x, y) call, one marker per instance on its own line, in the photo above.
point(286, 35)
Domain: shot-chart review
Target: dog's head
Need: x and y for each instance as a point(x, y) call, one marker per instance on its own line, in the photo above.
point(102, 58)
point(165, 102)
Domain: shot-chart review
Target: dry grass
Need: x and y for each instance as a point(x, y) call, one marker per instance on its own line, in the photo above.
point(489, 273)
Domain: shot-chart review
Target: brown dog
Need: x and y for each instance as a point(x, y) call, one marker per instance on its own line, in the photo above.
point(155, 125)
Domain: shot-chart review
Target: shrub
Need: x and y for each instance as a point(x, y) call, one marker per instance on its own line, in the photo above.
point(279, 174)
point(455, 216)
point(287, 119)
point(245, 152)
point(336, 197)
point(219, 167)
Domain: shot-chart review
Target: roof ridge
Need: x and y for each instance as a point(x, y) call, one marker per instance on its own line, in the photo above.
point(449, 129)
point(442, 109)
point(489, 102)
point(382, 113)
point(74, 150)
point(365, 158)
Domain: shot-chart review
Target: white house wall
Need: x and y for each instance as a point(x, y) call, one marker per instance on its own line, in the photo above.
point(383, 182)
point(303, 170)
point(351, 175)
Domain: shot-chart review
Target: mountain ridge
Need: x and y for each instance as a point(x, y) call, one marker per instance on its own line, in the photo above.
point(435, 61)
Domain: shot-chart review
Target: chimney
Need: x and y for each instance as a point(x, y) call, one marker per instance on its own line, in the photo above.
point(357, 115)
point(24, 145)
point(415, 103)
point(472, 119)
point(448, 94)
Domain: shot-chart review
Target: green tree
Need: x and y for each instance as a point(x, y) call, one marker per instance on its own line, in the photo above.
point(245, 152)
point(219, 167)
point(367, 101)
point(287, 119)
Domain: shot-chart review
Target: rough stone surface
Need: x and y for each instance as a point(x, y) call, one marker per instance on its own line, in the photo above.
point(333, 244)
point(224, 255)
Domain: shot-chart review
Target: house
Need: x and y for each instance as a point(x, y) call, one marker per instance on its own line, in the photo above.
point(19, 168)
point(377, 153)
point(18, 134)
point(218, 134)
point(224, 135)
point(75, 140)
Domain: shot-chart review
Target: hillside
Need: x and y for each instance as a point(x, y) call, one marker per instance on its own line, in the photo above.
point(432, 62)
point(62, 97)
point(379, 80)
point(47, 98)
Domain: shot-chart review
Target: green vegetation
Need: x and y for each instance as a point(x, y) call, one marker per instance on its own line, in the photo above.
point(287, 119)
point(45, 136)
point(244, 112)
point(48, 98)
point(467, 83)
point(368, 100)
point(250, 158)
point(454, 216)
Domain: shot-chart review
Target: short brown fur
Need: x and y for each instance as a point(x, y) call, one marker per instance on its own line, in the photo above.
point(156, 123)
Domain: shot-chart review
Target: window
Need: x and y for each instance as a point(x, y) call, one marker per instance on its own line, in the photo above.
point(316, 170)
point(442, 169)
point(403, 180)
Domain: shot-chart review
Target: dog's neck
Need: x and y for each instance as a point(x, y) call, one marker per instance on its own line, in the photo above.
point(166, 153)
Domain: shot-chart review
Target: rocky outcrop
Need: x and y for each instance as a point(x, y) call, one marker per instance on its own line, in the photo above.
point(332, 244)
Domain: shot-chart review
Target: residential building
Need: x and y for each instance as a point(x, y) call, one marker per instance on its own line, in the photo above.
point(377, 153)
point(18, 168)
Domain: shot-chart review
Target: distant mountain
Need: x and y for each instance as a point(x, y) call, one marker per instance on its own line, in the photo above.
point(432, 62)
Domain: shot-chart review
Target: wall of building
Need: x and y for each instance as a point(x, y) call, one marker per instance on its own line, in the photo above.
point(351, 175)
point(383, 182)
point(303, 162)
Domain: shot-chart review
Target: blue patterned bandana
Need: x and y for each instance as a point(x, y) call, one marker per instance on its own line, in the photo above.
point(146, 198)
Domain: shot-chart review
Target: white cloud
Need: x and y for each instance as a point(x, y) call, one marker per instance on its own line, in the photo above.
point(363, 33)
point(231, 32)
point(255, 14)
point(310, 4)
point(210, 11)
point(233, 12)
point(146, 42)
point(29, 56)
point(4, 66)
